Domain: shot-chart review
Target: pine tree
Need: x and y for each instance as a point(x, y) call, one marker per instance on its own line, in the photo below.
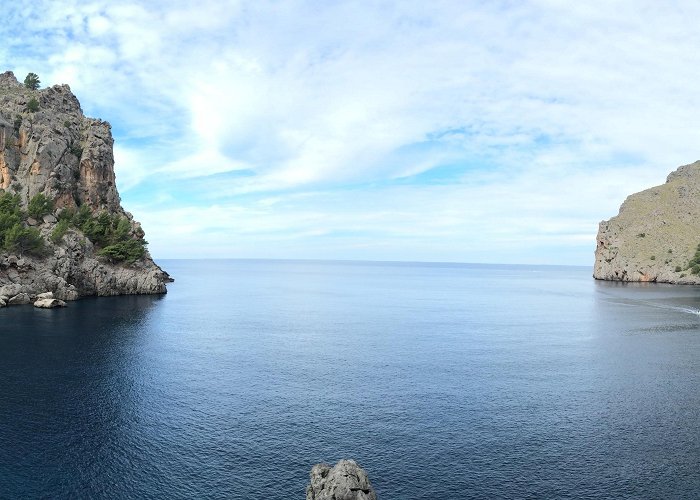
point(32, 81)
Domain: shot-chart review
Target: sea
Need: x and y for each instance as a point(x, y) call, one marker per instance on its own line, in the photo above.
point(443, 381)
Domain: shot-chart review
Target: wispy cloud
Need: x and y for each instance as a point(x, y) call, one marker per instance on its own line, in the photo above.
point(462, 131)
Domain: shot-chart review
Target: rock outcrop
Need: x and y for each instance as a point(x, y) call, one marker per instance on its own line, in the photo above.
point(48, 147)
point(19, 299)
point(655, 235)
point(345, 481)
point(49, 303)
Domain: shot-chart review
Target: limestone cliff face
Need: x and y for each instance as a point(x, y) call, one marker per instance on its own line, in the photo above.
point(57, 151)
point(656, 233)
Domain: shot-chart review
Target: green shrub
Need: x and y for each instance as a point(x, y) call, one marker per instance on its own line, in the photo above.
point(33, 105)
point(9, 203)
point(99, 229)
point(129, 251)
point(678, 269)
point(122, 229)
point(7, 222)
point(66, 214)
point(60, 230)
point(695, 261)
point(83, 214)
point(10, 214)
point(112, 233)
point(24, 239)
point(653, 257)
point(39, 206)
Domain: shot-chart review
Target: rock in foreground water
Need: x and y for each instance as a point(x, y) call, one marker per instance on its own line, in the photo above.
point(345, 481)
point(49, 303)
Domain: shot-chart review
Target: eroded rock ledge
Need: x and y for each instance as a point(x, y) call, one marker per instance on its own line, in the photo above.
point(72, 270)
point(655, 235)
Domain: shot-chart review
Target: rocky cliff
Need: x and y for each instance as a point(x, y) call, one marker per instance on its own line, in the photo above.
point(50, 151)
point(656, 235)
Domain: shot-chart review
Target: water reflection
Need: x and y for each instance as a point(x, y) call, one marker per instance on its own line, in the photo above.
point(68, 373)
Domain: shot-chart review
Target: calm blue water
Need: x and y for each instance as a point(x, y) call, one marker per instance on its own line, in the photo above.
point(443, 381)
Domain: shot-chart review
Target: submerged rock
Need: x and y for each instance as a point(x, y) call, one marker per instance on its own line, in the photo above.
point(345, 481)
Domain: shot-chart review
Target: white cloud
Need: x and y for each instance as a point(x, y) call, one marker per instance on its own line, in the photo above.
point(553, 112)
point(521, 218)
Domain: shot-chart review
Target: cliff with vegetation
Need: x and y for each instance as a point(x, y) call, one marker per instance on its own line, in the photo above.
point(62, 227)
point(656, 235)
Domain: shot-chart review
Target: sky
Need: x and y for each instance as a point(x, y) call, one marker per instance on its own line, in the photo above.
point(460, 131)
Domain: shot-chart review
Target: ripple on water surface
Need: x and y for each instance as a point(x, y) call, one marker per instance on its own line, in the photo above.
point(443, 381)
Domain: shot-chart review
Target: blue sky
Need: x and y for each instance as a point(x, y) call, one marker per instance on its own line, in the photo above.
point(433, 131)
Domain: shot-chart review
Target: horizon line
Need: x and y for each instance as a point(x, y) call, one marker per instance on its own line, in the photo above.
point(367, 261)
